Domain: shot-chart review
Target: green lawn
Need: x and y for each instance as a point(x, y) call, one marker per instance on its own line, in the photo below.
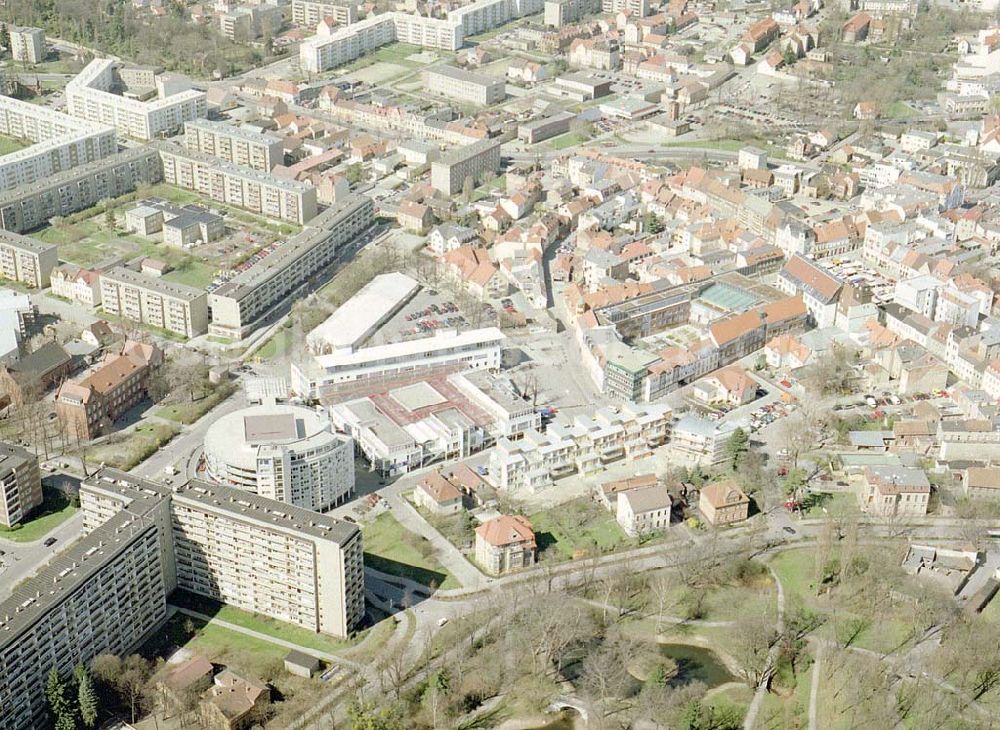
point(398, 53)
point(900, 110)
point(259, 623)
point(569, 139)
point(192, 273)
point(834, 503)
point(11, 144)
point(796, 569)
point(188, 411)
point(391, 548)
point(279, 344)
point(127, 452)
point(576, 528)
point(52, 512)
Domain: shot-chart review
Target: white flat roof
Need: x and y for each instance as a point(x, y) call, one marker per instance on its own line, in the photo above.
point(442, 340)
point(356, 319)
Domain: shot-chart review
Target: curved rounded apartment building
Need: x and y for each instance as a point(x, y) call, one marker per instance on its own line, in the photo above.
point(286, 453)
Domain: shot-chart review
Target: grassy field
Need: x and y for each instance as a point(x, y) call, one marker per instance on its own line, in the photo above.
point(244, 655)
point(797, 569)
point(52, 512)
point(135, 447)
point(11, 144)
point(569, 139)
point(279, 344)
point(836, 503)
point(574, 529)
point(900, 110)
point(261, 624)
point(188, 411)
point(391, 548)
point(192, 273)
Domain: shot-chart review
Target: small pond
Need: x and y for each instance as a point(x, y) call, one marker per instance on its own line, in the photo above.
point(696, 663)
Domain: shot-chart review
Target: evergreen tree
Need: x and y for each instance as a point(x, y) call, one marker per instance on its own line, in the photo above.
point(736, 447)
point(59, 704)
point(4, 36)
point(86, 696)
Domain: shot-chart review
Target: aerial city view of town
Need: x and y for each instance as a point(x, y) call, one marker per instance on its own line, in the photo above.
point(499, 364)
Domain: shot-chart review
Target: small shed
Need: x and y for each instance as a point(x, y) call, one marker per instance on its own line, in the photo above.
point(301, 664)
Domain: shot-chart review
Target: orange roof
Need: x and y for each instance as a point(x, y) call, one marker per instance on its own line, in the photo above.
point(439, 489)
point(723, 494)
point(507, 530)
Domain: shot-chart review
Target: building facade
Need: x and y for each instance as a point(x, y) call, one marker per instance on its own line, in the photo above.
point(478, 161)
point(282, 452)
point(90, 95)
point(20, 484)
point(31, 206)
point(151, 300)
point(241, 187)
point(27, 260)
point(27, 45)
point(60, 142)
point(464, 86)
point(234, 144)
point(239, 304)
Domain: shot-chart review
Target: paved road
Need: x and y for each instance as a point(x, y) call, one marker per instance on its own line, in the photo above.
point(814, 688)
point(23, 559)
point(183, 451)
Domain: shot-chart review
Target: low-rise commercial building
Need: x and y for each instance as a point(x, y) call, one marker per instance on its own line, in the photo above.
point(478, 161)
point(151, 300)
point(240, 187)
point(473, 350)
point(464, 86)
point(261, 151)
point(239, 304)
point(91, 95)
point(282, 452)
point(539, 130)
point(20, 484)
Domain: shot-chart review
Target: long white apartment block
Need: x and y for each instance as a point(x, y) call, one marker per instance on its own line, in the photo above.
point(242, 187)
point(177, 308)
point(90, 95)
point(61, 142)
point(478, 349)
point(580, 445)
point(240, 304)
point(322, 52)
point(234, 144)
